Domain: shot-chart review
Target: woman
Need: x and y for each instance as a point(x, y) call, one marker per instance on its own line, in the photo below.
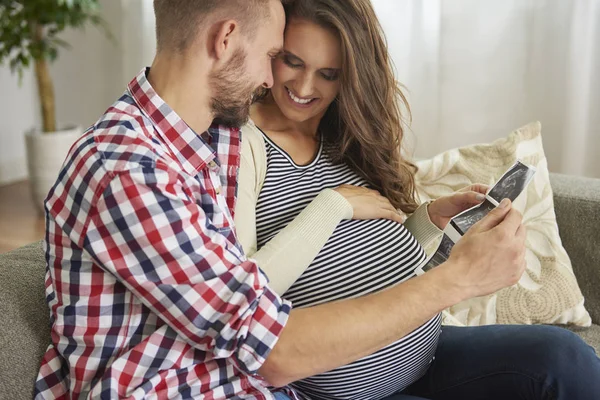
point(320, 182)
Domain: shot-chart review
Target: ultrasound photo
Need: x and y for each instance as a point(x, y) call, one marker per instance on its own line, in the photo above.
point(512, 183)
point(445, 246)
point(462, 222)
point(434, 261)
point(441, 255)
point(509, 186)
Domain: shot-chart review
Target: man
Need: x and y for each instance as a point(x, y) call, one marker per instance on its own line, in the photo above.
point(150, 294)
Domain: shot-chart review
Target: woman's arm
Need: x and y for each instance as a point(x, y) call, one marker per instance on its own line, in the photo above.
point(428, 222)
point(287, 255)
point(425, 231)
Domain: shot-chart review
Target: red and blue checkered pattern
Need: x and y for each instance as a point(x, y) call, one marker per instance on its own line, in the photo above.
point(150, 293)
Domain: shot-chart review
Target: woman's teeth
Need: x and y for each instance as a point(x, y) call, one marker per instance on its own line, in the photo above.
point(297, 99)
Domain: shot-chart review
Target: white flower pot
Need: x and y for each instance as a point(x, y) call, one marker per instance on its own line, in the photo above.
point(46, 153)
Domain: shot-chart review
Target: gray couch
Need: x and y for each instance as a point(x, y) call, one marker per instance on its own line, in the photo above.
point(24, 325)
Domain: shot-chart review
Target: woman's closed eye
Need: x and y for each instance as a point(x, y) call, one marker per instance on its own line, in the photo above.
point(330, 76)
point(290, 63)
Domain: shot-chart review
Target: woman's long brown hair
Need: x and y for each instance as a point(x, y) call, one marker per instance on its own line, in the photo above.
point(364, 123)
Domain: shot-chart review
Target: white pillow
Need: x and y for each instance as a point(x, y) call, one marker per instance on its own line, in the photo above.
point(548, 292)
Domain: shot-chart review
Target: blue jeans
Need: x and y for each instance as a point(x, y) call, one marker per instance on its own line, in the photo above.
point(505, 362)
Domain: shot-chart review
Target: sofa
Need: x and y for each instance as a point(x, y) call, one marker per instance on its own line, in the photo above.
point(24, 326)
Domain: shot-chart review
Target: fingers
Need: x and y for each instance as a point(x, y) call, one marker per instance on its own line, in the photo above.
point(494, 218)
point(512, 222)
point(464, 200)
point(395, 216)
point(521, 234)
point(370, 204)
point(356, 190)
point(389, 212)
point(520, 237)
point(477, 187)
point(480, 188)
point(469, 199)
point(368, 192)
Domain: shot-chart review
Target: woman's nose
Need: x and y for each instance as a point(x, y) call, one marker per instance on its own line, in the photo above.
point(304, 86)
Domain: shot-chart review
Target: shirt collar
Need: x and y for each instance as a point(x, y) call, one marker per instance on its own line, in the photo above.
point(192, 152)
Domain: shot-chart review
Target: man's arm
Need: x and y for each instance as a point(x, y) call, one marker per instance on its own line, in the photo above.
point(322, 338)
point(318, 339)
point(148, 232)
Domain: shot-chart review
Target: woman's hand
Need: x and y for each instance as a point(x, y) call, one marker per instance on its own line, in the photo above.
point(444, 208)
point(369, 204)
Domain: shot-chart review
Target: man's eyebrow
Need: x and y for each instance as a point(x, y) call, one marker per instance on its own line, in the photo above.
point(276, 51)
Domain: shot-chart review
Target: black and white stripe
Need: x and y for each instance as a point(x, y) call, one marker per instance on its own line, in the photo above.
point(361, 257)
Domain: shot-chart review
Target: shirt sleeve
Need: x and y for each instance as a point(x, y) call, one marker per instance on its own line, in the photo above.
point(156, 240)
point(425, 231)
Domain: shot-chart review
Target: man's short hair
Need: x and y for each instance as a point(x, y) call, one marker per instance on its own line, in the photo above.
point(178, 21)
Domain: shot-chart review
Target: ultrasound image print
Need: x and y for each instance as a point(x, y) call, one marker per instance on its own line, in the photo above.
point(462, 222)
point(445, 246)
point(510, 186)
point(512, 183)
point(436, 260)
point(441, 254)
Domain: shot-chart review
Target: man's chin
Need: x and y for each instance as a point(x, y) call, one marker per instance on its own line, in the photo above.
point(231, 122)
point(233, 118)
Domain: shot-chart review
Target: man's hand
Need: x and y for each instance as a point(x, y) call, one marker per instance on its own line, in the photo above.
point(491, 255)
point(444, 208)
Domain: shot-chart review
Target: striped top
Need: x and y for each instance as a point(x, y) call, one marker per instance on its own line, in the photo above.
point(361, 257)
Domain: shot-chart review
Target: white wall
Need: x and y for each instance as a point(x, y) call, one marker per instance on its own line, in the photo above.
point(88, 78)
point(17, 114)
point(474, 70)
point(477, 69)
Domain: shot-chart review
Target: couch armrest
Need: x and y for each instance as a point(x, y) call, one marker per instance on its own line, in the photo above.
point(577, 206)
point(24, 320)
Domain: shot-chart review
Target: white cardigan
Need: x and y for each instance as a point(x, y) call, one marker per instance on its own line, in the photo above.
point(285, 257)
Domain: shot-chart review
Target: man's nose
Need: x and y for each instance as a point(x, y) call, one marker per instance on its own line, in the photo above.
point(268, 83)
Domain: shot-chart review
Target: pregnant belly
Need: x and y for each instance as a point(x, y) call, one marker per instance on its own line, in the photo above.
point(360, 257)
point(381, 374)
point(363, 257)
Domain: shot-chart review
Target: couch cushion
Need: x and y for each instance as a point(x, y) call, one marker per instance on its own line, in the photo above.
point(548, 292)
point(25, 321)
point(577, 204)
point(591, 335)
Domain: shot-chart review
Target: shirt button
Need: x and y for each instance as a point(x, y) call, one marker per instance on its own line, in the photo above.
point(218, 190)
point(212, 165)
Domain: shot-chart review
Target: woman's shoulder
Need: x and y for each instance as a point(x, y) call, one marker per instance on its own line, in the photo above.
point(253, 152)
point(252, 135)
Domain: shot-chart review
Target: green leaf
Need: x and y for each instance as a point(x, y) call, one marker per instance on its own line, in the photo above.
point(52, 53)
point(29, 29)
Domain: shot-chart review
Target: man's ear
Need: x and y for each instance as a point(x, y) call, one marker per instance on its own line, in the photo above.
point(224, 35)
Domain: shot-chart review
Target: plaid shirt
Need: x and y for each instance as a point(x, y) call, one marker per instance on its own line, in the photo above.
point(150, 294)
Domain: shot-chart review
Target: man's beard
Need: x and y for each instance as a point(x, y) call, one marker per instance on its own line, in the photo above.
point(232, 93)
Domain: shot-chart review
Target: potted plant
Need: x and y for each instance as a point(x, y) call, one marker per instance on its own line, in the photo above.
point(29, 36)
